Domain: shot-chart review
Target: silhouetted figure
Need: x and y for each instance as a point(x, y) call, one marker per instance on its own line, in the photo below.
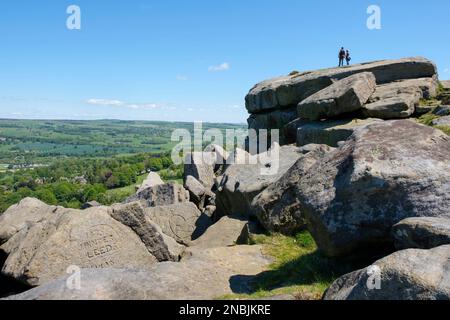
point(341, 57)
point(347, 57)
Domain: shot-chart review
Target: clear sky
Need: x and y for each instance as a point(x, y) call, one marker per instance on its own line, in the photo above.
point(191, 60)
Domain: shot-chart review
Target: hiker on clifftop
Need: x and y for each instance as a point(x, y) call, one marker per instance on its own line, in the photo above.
point(342, 54)
point(347, 57)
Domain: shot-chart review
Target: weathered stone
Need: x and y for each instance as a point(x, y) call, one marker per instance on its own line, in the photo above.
point(153, 179)
point(196, 190)
point(399, 99)
point(442, 121)
point(277, 207)
point(27, 212)
point(290, 90)
point(344, 96)
point(67, 237)
point(383, 174)
point(200, 165)
point(160, 245)
point(161, 195)
point(421, 233)
point(329, 132)
point(242, 182)
point(183, 222)
point(405, 275)
point(224, 233)
point(204, 275)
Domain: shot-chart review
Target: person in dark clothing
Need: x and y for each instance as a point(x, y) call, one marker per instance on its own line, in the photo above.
point(347, 57)
point(341, 57)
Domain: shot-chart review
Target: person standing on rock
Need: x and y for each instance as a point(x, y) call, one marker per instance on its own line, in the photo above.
point(347, 57)
point(341, 57)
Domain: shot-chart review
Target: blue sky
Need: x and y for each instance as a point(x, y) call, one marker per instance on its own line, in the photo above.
point(194, 60)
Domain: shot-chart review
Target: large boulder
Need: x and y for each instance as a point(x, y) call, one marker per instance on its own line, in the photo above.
point(289, 90)
point(153, 179)
point(200, 165)
point(329, 132)
point(242, 182)
point(204, 275)
point(159, 244)
point(183, 222)
point(384, 173)
point(277, 207)
point(405, 275)
point(421, 233)
point(161, 195)
point(67, 237)
point(344, 96)
point(20, 216)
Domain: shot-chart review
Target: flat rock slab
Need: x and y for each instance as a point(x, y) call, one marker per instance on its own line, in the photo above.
point(288, 91)
point(224, 233)
point(344, 96)
point(442, 121)
point(405, 275)
point(67, 237)
point(329, 132)
point(204, 275)
point(421, 233)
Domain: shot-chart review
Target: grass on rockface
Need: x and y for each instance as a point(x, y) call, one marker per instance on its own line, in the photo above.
point(298, 268)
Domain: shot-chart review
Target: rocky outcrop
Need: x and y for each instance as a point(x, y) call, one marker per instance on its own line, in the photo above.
point(204, 274)
point(183, 222)
point(288, 91)
point(161, 195)
point(88, 238)
point(153, 179)
point(344, 96)
point(199, 195)
point(351, 91)
point(240, 183)
point(383, 174)
point(405, 275)
point(421, 233)
point(277, 207)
